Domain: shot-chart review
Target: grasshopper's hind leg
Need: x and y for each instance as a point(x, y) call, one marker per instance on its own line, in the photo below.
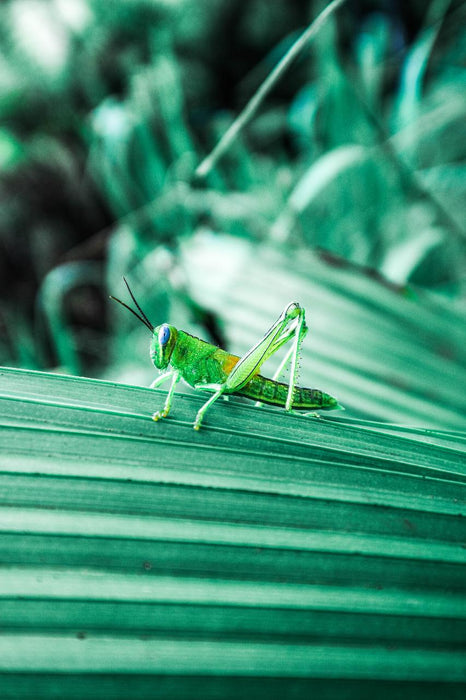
point(299, 333)
point(168, 401)
point(290, 325)
point(294, 350)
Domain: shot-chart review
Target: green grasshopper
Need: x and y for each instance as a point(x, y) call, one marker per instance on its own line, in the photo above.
point(207, 367)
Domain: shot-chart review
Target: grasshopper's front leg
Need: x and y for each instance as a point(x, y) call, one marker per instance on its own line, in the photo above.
point(168, 401)
point(161, 379)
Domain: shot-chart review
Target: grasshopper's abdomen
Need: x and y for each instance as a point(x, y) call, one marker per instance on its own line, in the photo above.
point(275, 393)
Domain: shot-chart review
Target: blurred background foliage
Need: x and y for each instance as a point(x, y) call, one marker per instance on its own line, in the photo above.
point(345, 192)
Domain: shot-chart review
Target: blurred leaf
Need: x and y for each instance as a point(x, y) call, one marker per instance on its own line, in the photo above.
point(10, 150)
point(47, 55)
point(321, 173)
point(372, 50)
point(407, 106)
point(405, 257)
point(51, 300)
point(438, 135)
point(301, 115)
point(112, 116)
point(386, 353)
point(448, 183)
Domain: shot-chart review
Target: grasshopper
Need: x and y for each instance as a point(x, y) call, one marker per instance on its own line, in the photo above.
point(206, 367)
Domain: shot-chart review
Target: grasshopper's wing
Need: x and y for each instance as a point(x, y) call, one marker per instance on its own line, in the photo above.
point(281, 331)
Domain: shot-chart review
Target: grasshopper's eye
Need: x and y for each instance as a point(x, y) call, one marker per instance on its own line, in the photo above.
point(164, 335)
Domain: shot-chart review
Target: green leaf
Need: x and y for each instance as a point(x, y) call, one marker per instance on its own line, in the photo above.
point(409, 99)
point(268, 554)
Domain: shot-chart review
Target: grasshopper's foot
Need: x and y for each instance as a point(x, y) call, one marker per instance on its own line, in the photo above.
point(198, 422)
point(158, 415)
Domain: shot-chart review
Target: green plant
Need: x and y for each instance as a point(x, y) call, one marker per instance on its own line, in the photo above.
point(269, 553)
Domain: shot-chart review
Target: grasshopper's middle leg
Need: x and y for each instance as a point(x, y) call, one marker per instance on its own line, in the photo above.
point(218, 389)
point(168, 401)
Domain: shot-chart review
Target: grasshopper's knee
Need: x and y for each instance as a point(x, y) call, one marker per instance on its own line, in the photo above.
point(293, 310)
point(208, 387)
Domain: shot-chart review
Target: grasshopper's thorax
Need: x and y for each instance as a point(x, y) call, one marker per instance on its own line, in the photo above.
point(162, 345)
point(195, 360)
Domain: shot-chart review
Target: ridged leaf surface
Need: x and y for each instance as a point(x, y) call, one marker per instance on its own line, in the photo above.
point(268, 555)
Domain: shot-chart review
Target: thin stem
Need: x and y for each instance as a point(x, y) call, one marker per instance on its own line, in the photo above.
point(252, 106)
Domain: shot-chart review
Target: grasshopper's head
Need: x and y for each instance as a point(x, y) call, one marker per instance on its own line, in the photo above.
point(164, 337)
point(162, 345)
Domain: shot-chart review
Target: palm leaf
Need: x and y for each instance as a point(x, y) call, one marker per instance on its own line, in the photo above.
point(270, 555)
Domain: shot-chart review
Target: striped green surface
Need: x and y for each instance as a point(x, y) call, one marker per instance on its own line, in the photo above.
point(269, 555)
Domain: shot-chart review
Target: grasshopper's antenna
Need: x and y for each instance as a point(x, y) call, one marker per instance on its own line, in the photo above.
point(137, 305)
point(143, 318)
